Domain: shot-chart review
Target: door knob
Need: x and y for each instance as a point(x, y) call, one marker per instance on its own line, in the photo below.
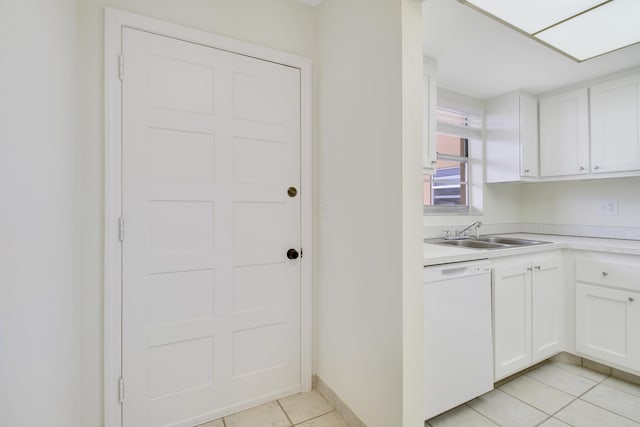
point(292, 191)
point(292, 254)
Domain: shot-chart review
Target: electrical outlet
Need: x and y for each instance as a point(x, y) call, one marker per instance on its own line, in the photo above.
point(324, 209)
point(609, 207)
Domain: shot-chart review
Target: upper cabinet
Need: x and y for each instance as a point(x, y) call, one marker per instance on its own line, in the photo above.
point(564, 134)
point(615, 125)
point(430, 99)
point(585, 133)
point(511, 138)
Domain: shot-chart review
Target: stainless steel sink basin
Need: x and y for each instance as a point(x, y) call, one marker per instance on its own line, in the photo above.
point(490, 242)
point(471, 243)
point(511, 241)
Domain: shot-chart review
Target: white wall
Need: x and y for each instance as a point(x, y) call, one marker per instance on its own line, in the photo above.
point(363, 196)
point(501, 205)
point(51, 112)
point(39, 284)
point(412, 288)
point(579, 202)
point(564, 203)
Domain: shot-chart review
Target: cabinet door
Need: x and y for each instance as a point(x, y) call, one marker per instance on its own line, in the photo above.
point(511, 143)
point(528, 136)
point(615, 125)
point(511, 318)
point(564, 134)
point(547, 318)
point(429, 159)
point(608, 324)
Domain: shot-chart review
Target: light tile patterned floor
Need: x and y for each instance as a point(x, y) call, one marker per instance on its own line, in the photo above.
point(556, 394)
point(302, 409)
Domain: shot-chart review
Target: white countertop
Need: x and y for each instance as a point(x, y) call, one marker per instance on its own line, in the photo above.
point(439, 254)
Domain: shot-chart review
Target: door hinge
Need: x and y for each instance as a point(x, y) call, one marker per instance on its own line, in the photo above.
point(121, 68)
point(121, 229)
point(301, 253)
point(121, 390)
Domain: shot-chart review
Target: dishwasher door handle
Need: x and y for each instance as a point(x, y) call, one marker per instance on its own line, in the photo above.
point(456, 271)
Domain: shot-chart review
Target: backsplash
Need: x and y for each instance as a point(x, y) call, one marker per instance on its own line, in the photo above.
point(607, 232)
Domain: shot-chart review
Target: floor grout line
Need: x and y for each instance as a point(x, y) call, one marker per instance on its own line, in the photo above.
point(481, 414)
point(610, 411)
point(559, 366)
point(580, 396)
point(285, 413)
point(574, 398)
point(556, 388)
point(316, 417)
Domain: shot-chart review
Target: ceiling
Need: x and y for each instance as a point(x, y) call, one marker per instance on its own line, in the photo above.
point(480, 57)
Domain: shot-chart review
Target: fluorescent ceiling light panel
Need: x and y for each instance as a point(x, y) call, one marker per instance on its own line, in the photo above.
point(314, 3)
point(532, 16)
point(610, 27)
point(581, 29)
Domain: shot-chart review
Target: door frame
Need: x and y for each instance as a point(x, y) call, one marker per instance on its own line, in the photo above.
point(115, 20)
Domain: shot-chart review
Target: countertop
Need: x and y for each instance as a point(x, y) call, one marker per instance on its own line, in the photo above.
point(439, 254)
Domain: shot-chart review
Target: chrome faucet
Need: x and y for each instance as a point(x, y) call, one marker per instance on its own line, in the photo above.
point(462, 232)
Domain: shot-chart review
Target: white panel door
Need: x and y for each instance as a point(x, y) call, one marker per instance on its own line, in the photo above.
point(615, 125)
point(511, 318)
point(211, 303)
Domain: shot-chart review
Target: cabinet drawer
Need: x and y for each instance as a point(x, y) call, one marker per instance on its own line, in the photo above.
point(612, 274)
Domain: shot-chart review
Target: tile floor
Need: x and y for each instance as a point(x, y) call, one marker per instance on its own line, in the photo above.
point(302, 409)
point(556, 394)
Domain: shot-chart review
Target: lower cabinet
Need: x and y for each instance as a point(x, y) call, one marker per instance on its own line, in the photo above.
point(608, 312)
point(527, 312)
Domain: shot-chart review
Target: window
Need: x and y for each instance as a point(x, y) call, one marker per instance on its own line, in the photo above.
point(447, 190)
point(448, 185)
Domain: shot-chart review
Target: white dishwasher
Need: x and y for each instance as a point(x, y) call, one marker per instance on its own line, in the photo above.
point(458, 345)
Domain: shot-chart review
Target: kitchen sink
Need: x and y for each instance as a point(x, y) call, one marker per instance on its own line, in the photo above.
point(511, 241)
point(490, 242)
point(471, 243)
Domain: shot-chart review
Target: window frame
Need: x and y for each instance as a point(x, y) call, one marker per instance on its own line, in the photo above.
point(460, 182)
point(471, 131)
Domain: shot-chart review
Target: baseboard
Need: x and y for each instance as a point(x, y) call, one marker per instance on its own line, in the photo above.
point(341, 408)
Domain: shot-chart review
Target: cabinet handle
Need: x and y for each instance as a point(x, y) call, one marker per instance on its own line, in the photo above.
point(526, 171)
point(433, 162)
point(596, 167)
point(529, 269)
point(631, 299)
point(581, 168)
point(537, 267)
point(605, 274)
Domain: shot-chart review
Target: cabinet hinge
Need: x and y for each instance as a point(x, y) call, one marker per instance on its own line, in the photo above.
point(121, 229)
point(121, 390)
point(121, 68)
